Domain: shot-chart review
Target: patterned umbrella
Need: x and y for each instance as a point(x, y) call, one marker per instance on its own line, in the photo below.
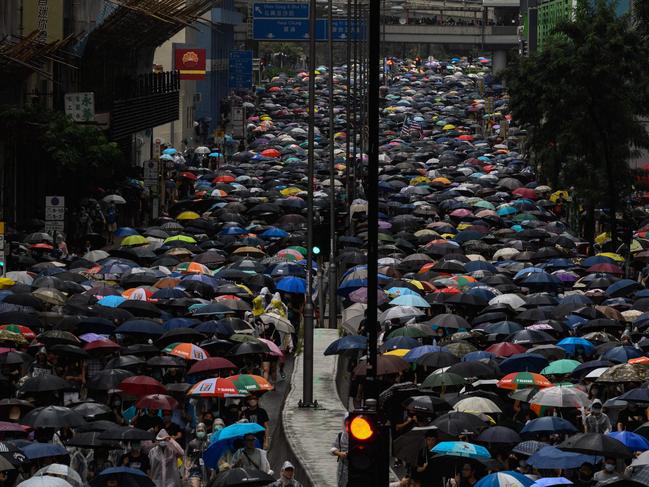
point(187, 351)
point(625, 373)
point(519, 380)
point(216, 387)
point(251, 383)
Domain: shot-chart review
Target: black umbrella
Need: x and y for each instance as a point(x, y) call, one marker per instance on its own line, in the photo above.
point(499, 434)
point(248, 348)
point(125, 477)
point(458, 423)
point(107, 379)
point(426, 404)
point(124, 361)
point(437, 359)
point(99, 425)
point(53, 417)
point(45, 383)
point(407, 446)
point(241, 477)
point(126, 433)
point(595, 444)
point(89, 439)
point(91, 409)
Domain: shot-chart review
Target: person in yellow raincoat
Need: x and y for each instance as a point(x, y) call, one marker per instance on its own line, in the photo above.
point(259, 303)
point(277, 306)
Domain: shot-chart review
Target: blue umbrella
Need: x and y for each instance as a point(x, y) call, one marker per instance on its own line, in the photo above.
point(414, 300)
point(349, 342)
point(523, 362)
point(596, 259)
point(179, 322)
point(478, 355)
point(140, 327)
point(233, 231)
point(111, 301)
point(508, 478)
point(169, 150)
point(552, 458)
point(292, 284)
point(418, 352)
point(548, 424)
point(125, 476)
point(461, 449)
point(575, 345)
point(43, 450)
point(126, 232)
point(223, 441)
point(214, 327)
point(550, 481)
point(169, 293)
point(639, 394)
point(632, 441)
point(621, 354)
point(274, 232)
point(623, 287)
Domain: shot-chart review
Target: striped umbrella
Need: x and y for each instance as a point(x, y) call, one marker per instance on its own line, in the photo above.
point(519, 380)
point(216, 387)
point(187, 351)
point(251, 383)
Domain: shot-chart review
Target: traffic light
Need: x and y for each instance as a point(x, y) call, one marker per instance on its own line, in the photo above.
point(369, 450)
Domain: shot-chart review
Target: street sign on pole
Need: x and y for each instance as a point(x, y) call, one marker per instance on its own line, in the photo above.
point(151, 173)
point(238, 128)
point(240, 70)
point(298, 29)
point(280, 10)
point(55, 208)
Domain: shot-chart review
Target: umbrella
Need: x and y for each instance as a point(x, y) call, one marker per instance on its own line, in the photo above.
point(53, 417)
point(346, 343)
point(458, 423)
point(632, 441)
point(477, 405)
point(216, 387)
point(408, 445)
point(44, 481)
point(550, 457)
point(595, 444)
point(518, 380)
point(561, 397)
point(61, 471)
point(625, 373)
point(461, 448)
point(558, 367)
point(34, 451)
point(141, 385)
point(241, 477)
point(442, 380)
point(551, 481)
point(157, 401)
point(386, 365)
point(548, 425)
point(210, 365)
point(507, 478)
point(499, 434)
point(125, 476)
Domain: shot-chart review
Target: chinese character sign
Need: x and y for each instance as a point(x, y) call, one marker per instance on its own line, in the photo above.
point(80, 106)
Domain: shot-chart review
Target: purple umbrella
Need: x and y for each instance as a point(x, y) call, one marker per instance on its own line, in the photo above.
point(360, 296)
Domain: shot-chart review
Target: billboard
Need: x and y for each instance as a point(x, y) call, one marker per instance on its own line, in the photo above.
point(45, 16)
point(190, 62)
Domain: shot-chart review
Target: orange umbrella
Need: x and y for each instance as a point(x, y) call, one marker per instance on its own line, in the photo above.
point(271, 153)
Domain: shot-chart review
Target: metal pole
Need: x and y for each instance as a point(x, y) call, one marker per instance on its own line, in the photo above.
point(355, 106)
point(307, 399)
point(348, 112)
point(333, 314)
point(374, 53)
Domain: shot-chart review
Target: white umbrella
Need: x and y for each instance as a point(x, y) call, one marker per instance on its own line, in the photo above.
point(280, 323)
point(352, 317)
point(44, 481)
point(96, 255)
point(20, 276)
point(115, 199)
point(506, 253)
point(477, 405)
point(57, 470)
point(514, 300)
point(561, 397)
point(202, 150)
point(641, 460)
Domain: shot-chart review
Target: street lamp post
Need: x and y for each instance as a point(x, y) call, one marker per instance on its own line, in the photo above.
point(333, 314)
point(307, 390)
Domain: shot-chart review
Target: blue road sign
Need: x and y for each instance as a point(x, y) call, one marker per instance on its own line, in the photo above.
point(280, 11)
point(339, 29)
point(240, 72)
point(286, 30)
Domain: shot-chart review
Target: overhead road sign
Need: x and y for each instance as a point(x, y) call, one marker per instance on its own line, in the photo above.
point(240, 70)
point(280, 10)
point(286, 30)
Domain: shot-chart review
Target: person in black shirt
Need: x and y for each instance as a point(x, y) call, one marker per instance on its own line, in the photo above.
point(148, 421)
point(424, 473)
point(135, 458)
point(254, 414)
point(630, 418)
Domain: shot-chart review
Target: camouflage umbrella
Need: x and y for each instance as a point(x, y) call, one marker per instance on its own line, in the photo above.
point(625, 373)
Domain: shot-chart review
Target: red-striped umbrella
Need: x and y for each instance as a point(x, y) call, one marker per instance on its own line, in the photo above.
point(251, 383)
point(157, 401)
point(520, 380)
point(103, 344)
point(141, 385)
point(187, 351)
point(216, 387)
point(23, 330)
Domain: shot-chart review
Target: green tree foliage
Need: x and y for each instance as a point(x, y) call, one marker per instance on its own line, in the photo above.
point(581, 99)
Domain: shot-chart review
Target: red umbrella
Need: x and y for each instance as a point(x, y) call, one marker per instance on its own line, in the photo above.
point(224, 178)
point(104, 344)
point(188, 175)
point(505, 349)
point(211, 364)
point(466, 137)
point(141, 385)
point(271, 153)
point(157, 401)
point(528, 193)
point(607, 268)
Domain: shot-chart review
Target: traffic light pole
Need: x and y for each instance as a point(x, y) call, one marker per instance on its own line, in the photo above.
point(333, 313)
point(307, 387)
point(374, 53)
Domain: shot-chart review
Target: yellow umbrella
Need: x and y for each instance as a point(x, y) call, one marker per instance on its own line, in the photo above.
point(562, 193)
point(5, 282)
point(448, 126)
point(265, 118)
point(612, 255)
point(397, 352)
point(441, 181)
point(602, 237)
point(636, 246)
point(463, 226)
point(448, 235)
point(188, 215)
point(419, 180)
point(292, 191)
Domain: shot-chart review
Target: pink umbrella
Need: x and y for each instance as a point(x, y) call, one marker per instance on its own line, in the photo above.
point(461, 213)
point(274, 349)
point(360, 296)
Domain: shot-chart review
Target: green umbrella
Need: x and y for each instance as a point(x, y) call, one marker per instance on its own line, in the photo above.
point(563, 366)
point(442, 380)
point(460, 349)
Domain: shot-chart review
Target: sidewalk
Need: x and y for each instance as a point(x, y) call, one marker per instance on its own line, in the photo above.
point(311, 432)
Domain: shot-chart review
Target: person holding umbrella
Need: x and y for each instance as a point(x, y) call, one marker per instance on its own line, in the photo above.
point(424, 473)
point(250, 456)
point(163, 458)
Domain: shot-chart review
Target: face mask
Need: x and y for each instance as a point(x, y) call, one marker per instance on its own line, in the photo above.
point(217, 427)
point(523, 463)
point(162, 444)
point(609, 467)
point(200, 434)
point(252, 404)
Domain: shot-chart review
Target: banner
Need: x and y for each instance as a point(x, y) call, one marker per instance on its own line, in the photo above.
point(45, 16)
point(191, 63)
